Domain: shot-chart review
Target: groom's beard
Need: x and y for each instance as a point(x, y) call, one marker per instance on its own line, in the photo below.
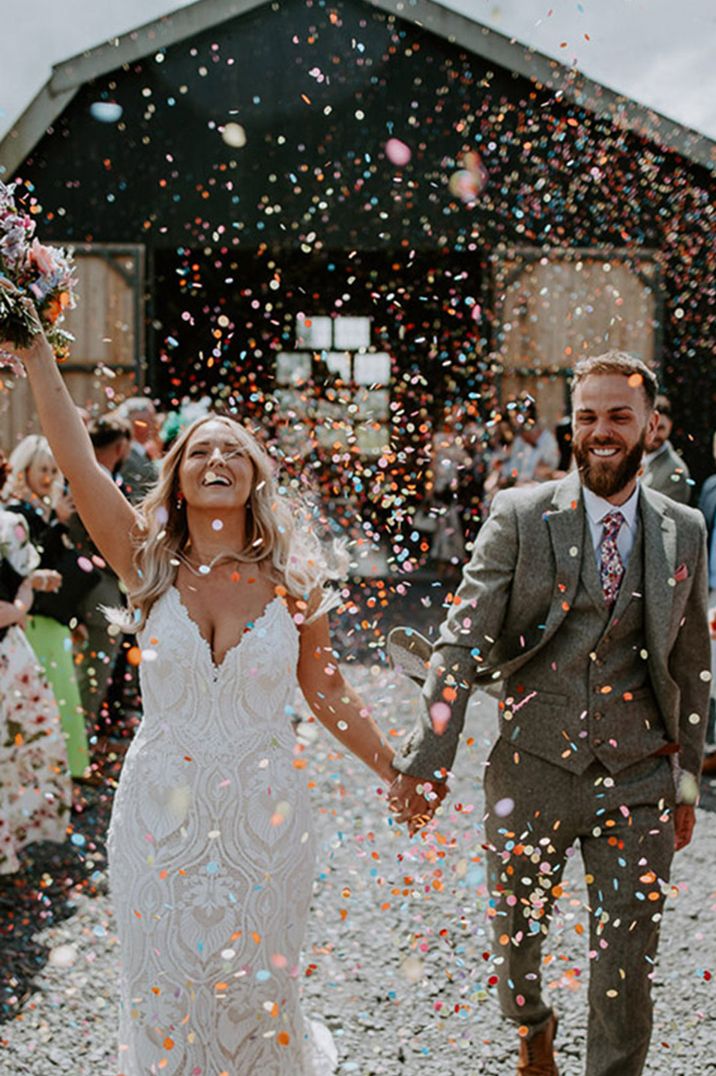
point(604, 477)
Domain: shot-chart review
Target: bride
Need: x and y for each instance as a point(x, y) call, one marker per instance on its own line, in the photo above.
point(211, 844)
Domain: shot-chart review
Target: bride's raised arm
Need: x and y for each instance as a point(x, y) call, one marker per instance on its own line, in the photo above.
point(103, 509)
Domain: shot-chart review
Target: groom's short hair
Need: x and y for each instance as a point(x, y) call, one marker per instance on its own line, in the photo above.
point(617, 362)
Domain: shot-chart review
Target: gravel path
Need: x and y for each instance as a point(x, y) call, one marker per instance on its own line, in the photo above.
point(398, 960)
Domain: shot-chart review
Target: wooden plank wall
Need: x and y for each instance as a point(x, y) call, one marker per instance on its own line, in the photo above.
point(557, 310)
point(104, 365)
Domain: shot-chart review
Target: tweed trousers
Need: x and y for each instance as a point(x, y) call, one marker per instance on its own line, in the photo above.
point(536, 811)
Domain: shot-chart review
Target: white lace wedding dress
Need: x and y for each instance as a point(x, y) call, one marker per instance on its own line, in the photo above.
point(211, 858)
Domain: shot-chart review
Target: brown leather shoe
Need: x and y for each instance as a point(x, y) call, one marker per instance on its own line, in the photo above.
point(537, 1053)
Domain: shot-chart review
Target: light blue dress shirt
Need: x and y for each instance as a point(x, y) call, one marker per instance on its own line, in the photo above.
point(597, 508)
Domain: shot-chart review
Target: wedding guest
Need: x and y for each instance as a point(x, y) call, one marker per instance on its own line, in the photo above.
point(563, 435)
point(139, 470)
point(110, 436)
point(664, 469)
point(707, 505)
point(534, 456)
point(34, 490)
point(450, 463)
point(35, 790)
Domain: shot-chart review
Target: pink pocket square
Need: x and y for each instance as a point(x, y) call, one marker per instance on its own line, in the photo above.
point(681, 573)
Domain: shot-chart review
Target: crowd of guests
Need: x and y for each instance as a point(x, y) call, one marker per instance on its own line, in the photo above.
point(471, 462)
point(62, 665)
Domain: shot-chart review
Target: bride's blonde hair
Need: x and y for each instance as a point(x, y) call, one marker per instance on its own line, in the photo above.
point(278, 531)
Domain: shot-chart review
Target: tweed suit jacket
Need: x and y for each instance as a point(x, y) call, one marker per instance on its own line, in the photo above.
point(518, 588)
point(667, 473)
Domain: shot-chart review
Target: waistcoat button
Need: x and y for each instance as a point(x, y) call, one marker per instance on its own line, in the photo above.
point(597, 742)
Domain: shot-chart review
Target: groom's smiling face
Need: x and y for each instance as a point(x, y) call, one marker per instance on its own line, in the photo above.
point(611, 418)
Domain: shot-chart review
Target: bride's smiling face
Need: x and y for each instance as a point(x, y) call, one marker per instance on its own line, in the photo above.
point(216, 471)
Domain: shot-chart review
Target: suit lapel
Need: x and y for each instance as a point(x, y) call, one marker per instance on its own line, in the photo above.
point(659, 566)
point(566, 531)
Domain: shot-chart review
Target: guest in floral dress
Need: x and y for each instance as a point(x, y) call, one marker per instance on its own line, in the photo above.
point(35, 788)
point(34, 490)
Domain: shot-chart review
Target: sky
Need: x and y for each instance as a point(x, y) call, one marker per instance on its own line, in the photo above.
point(658, 52)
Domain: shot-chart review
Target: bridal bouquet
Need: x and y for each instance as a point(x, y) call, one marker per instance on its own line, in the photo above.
point(42, 273)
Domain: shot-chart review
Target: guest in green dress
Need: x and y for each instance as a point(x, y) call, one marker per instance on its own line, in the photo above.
point(34, 490)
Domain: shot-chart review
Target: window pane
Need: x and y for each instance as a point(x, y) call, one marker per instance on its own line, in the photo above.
point(373, 438)
point(351, 333)
point(332, 431)
point(313, 332)
point(292, 367)
point(338, 362)
point(372, 368)
point(372, 405)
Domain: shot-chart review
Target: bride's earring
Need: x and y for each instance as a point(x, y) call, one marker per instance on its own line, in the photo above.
point(180, 500)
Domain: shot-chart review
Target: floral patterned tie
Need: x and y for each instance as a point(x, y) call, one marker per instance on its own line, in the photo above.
point(611, 568)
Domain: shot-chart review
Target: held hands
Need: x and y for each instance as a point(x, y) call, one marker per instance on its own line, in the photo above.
point(415, 800)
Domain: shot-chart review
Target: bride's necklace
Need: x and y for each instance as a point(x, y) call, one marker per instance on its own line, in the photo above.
point(202, 570)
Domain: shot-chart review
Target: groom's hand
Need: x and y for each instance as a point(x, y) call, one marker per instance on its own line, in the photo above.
point(414, 799)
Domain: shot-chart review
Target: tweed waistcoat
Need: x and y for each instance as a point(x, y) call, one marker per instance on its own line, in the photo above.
point(587, 695)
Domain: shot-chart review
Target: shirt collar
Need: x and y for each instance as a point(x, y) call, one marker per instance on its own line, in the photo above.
point(649, 456)
point(597, 507)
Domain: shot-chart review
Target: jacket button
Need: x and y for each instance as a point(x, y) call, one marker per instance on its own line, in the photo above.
point(598, 715)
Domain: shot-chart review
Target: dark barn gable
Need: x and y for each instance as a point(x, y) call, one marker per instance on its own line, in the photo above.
point(310, 216)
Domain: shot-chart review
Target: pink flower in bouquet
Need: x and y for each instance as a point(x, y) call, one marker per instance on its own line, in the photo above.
point(15, 232)
point(42, 258)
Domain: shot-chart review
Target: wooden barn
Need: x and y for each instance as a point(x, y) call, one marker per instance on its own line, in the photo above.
point(348, 215)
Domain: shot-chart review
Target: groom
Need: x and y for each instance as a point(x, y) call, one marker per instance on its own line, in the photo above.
point(587, 598)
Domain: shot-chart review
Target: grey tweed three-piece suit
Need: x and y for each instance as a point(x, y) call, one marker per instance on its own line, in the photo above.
point(600, 710)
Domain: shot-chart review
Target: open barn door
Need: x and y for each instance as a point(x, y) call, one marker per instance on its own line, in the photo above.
point(556, 307)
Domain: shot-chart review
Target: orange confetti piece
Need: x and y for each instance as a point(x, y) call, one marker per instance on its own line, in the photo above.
point(168, 1043)
point(283, 1038)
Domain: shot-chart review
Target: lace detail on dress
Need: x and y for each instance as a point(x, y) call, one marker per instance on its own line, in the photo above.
point(212, 856)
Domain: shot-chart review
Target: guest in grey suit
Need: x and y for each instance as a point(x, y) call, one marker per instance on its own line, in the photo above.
point(139, 472)
point(586, 597)
point(664, 469)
